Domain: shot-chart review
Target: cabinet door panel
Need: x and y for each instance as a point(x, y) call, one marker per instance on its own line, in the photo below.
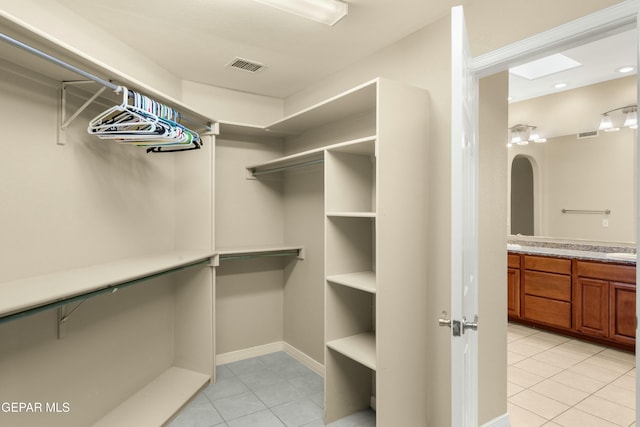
point(513, 291)
point(622, 321)
point(548, 285)
point(592, 307)
point(549, 311)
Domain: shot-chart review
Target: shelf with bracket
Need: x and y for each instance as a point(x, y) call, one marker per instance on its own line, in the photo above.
point(31, 295)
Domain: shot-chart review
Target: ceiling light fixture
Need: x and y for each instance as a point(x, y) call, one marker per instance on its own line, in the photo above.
point(631, 119)
point(625, 69)
point(328, 12)
point(522, 134)
point(560, 85)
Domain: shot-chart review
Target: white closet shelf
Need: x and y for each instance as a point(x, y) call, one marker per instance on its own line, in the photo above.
point(258, 251)
point(361, 348)
point(19, 30)
point(358, 100)
point(362, 280)
point(24, 296)
point(158, 401)
point(352, 214)
point(364, 145)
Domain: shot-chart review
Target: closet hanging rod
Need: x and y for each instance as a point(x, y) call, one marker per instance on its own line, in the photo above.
point(90, 294)
point(283, 168)
point(587, 211)
point(294, 252)
point(116, 88)
point(41, 54)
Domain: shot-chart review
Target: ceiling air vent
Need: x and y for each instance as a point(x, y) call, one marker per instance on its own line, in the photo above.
point(590, 134)
point(246, 65)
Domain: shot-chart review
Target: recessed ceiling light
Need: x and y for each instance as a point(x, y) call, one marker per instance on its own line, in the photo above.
point(560, 85)
point(544, 66)
point(510, 98)
point(625, 69)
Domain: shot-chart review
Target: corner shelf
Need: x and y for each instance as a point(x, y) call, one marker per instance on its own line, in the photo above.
point(363, 146)
point(158, 401)
point(360, 348)
point(363, 280)
point(33, 294)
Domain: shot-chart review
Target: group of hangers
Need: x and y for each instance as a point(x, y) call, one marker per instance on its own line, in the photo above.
point(144, 122)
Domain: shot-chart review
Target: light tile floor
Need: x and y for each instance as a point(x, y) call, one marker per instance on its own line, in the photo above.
point(558, 381)
point(273, 390)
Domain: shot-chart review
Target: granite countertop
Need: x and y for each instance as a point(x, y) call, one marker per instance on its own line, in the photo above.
point(586, 250)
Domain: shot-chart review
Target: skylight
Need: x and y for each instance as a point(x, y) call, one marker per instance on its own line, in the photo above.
point(544, 66)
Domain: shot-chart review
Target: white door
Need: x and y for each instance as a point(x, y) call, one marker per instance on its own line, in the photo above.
point(464, 228)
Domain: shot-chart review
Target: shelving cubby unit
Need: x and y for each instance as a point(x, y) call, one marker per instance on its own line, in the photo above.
point(373, 141)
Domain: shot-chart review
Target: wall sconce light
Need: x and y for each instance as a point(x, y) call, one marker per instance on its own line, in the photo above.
point(522, 134)
point(631, 119)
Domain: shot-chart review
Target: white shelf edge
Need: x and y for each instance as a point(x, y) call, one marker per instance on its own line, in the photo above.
point(282, 123)
point(362, 280)
point(40, 292)
point(319, 152)
point(360, 348)
point(158, 401)
point(351, 214)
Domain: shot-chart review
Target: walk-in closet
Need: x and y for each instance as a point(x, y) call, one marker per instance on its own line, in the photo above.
point(139, 253)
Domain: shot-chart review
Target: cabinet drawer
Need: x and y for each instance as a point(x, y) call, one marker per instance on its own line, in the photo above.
point(548, 285)
point(551, 312)
point(611, 272)
point(550, 265)
point(513, 260)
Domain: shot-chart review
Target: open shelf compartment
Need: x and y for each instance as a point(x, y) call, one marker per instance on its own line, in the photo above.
point(360, 347)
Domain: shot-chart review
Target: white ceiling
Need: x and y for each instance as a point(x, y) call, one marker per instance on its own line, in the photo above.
point(196, 39)
point(599, 60)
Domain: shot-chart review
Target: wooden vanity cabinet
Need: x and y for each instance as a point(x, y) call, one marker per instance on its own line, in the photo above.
point(606, 301)
point(546, 289)
point(585, 299)
point(513, 285)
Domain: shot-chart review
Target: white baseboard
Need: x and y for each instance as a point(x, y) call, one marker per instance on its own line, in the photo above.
point(301, 357)
point(247, 353)
point(501, 421)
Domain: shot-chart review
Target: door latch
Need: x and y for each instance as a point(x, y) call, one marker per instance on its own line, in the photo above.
point(457, 326)
point(453, 324)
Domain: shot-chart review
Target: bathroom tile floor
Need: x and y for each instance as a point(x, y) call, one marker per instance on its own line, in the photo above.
point(559, 381)
point(273, 390)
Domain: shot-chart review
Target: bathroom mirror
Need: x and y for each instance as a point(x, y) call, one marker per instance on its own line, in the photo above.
point(573, 187)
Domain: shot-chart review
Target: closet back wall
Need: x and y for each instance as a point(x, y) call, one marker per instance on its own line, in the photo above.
point(87, 202)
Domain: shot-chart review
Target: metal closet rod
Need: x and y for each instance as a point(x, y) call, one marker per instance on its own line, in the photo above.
point(587, 211)
point(106, 290)
point(257, 172)
point(116, 88)
point(292, 252)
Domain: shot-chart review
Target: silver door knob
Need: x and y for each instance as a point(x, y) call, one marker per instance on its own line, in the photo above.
point(470, 325)
point(443, 320)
